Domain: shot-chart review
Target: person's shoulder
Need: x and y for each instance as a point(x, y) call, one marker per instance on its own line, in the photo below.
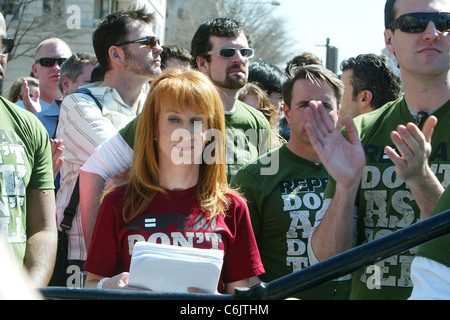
point(82, 92)
point(116, 195)
point(251, 173)
point(236, 201)
point(20, 114)
point(380, 113)
point(368, 122)
point(255, 114)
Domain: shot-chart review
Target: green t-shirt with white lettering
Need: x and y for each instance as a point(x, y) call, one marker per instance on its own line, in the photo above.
point(384, 202)
point(25, 163)
point(284, 192)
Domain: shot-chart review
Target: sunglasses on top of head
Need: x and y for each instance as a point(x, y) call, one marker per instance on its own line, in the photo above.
point(416, 22)
point(231, 52)
point(50, 62)
point(148, 41)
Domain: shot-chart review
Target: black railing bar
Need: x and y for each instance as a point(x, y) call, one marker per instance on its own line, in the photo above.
point(351, 260)
point(64, 293)
point(297, 282)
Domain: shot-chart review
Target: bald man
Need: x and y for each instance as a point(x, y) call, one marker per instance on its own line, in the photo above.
point(49, 56)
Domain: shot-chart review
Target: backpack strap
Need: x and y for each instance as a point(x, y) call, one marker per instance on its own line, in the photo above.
point(71, 209)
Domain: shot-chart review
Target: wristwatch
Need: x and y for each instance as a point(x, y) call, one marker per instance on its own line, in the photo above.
point(100, 283)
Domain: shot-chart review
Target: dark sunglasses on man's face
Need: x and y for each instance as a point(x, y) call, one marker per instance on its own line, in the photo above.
point(416, 22)
point(231, 52)
point(50, 62)
point(148, 41)
point(7, 45)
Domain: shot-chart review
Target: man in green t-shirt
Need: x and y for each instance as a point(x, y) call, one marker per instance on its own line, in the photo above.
point(284, 189)
point(393, 166)
point(221, 49)
point(27, 198)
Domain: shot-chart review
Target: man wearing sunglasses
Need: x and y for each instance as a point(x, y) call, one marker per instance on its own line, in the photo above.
point(395, 163)
point(128, 53)
point(221, 49)
point(49, 56)
point(27, 202)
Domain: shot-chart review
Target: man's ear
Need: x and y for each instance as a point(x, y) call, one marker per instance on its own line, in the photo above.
point(65, 84)
point(388, 34)
point(202, 64)
point(116, 55)
point(286, 111)
point(34, 70)
point(365, 99)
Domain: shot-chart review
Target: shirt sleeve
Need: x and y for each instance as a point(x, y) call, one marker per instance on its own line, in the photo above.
point(431, 280)
point(112, 157)
point(103, 258)
point(242, 259)
point(42, 173)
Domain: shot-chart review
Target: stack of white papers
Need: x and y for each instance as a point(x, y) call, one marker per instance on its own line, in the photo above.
point(166, 268)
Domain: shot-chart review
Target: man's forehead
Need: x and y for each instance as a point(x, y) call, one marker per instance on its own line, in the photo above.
point(408, 6)
point(305, 90)
point(54, 50)
point(141, 28)
point(239, 41)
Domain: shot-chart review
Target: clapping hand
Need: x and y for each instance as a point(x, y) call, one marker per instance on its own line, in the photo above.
point(344, 159)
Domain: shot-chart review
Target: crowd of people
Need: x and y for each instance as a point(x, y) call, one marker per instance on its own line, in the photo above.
point(279, 169)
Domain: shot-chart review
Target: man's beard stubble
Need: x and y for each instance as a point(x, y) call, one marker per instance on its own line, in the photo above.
point(139, 67)
point(230, 82)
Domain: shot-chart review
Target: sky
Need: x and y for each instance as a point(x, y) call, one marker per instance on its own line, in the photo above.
point(353, 26)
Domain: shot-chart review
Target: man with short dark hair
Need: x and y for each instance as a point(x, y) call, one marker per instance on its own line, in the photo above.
point(376, 189)
point(174, 56)
point(221, 50)
point(369, 84)
point(128, 52)
point(283, 203)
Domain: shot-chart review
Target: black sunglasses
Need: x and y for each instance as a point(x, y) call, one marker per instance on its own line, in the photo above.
point(8, 45)
point(416, 22)
point(50, 62)
point(231, 52)
point(148, 41)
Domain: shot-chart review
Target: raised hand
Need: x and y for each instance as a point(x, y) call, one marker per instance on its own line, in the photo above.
point(412, 163)
point(414, 147)
point(344, 159)
point(31, 105)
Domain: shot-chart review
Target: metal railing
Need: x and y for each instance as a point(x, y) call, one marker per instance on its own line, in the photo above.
point(296, 282)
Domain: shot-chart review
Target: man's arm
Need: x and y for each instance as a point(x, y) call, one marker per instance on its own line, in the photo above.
point(109, 160)
point(42, 236)
point(90, 194)
point(412, 163)
point(344, 160)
